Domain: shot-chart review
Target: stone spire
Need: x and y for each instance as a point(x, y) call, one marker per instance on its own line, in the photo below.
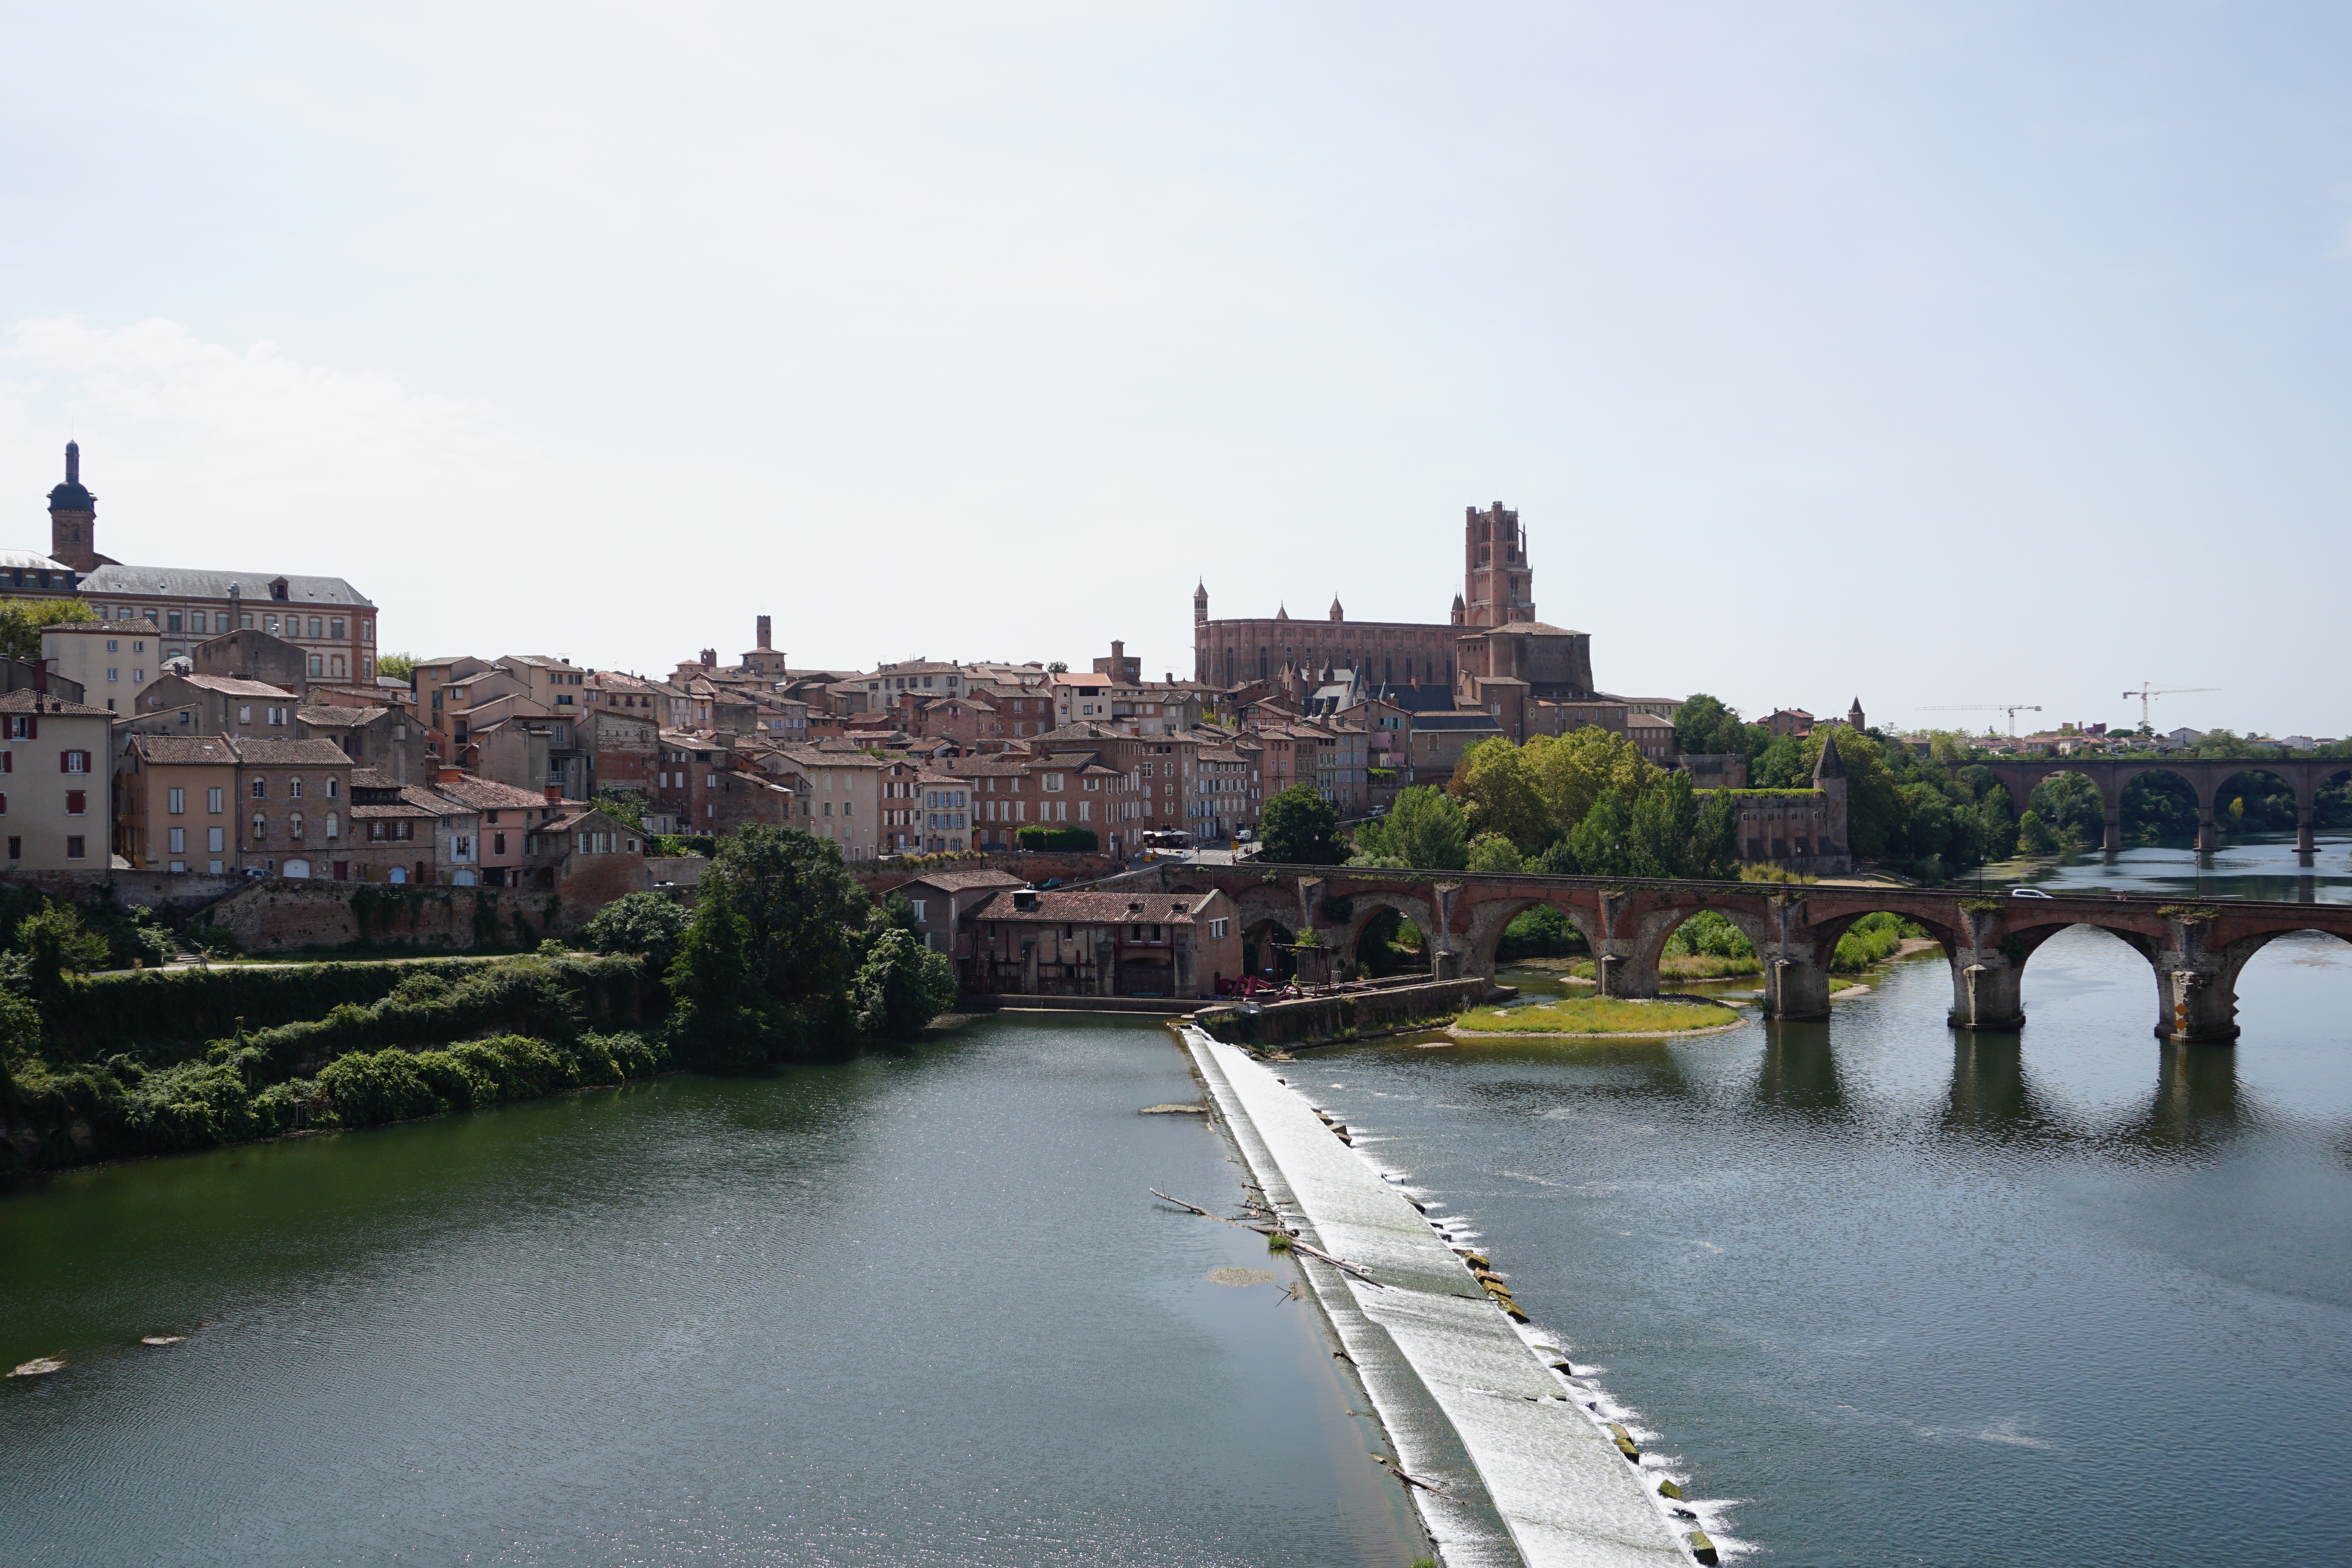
point(1282, 612)
point(1831, 765)
point(1336, 613)
point(73, 518)
point(1854, 717)
point(1200, 601)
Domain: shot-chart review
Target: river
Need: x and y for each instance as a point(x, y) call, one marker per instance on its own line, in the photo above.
point(915, 1310)
point(1885, 1294)
point(1890, 1294)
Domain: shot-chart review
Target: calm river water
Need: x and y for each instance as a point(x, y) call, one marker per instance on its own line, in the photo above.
point(918, 1309)
point(1889, 1295)
point(1896, 1295)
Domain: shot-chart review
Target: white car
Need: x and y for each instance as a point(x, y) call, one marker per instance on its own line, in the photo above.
point(2027, 892)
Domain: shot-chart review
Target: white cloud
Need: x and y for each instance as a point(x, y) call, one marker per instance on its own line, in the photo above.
point(167, 418)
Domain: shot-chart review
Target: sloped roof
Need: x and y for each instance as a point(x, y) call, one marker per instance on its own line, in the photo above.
point(1101, 908)
point(185, 582)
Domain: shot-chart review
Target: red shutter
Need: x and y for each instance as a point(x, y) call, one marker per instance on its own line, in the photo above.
point(65, 761)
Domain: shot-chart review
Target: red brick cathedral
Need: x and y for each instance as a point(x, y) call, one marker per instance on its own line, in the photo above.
point(1420, 666)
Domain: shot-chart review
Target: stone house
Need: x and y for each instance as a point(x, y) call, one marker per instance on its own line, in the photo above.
point(110, 664)
point(56, 783)
point(838, 794)
point(221, 704)
point(293, 806)
point(588, 859)
point(508, 815)
point(176, 803)
point(1653, 737)
point(384, 738)
point(943, 899)
point(1079, 944)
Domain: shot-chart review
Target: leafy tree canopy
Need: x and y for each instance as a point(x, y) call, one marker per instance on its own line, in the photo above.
point(21, 623)
point(1425, 830)
point(1572, 769)
point(1494, 854)
point(1300, 827)
point(399, 666)
point(1497, 791)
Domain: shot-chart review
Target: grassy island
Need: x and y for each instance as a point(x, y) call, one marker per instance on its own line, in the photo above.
point(1596, 1015)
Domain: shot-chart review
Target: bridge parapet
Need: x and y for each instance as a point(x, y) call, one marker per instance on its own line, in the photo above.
point(2195, 951)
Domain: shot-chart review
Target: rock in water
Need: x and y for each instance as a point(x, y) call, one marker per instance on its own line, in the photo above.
point(1240, 1277)
point(165, 1339)
point(38, 1367)
point(1173, 1111)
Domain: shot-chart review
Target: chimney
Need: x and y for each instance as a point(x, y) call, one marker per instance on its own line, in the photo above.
point(765, 632)
point(449, 775)
point(41, 676)
point(555, 794)
point(710, 658)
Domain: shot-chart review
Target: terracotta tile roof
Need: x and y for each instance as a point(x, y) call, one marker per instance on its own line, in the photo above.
point(378, 813)
point(40, 702)
point(228, 686)
point(340, 717)
point(960, 881)
point(483, 794)
point(261, 753)
point(182, 750)
point(1102, 908)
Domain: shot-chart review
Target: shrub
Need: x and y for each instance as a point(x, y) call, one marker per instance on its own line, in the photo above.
point(1037, 838)
point(369, 1088)
point(902, 986)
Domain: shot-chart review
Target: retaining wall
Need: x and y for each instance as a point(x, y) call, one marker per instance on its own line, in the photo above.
point(1313, 1021)
point(277, 915)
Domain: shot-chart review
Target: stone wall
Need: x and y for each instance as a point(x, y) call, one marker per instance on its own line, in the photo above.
point(275, 914)
point(165, 890)
point(1315, 1020)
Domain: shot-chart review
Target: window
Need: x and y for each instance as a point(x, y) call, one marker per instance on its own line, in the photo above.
point(261, 788)
point(367, 630)
point(260, 825)
point(270, 624)
point(498, 843)
point(175, 800)
point(77, 803)
point(73, 761)
point(918, 904)
point(213, 801)
point(294, 788)
point(335, 788)
point(195, 621)
point(245, 622)
point(318, 665)
point(73, 847)
point(213, 837)
point(112, 674)
point(178, 837)
point(244, 714)
point(314, 626)
point(1216, 929)
point(171, 621)
point(16, 849)
point(334, 629)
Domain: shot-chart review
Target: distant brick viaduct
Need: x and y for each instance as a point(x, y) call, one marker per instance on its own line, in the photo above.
point(2205, 777)
point(2195, 950)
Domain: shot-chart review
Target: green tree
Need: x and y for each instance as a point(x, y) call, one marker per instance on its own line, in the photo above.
point(1497, 791)
point(1493, 853)
point(1426, 830)
point(55, 944)
point(1602, 843)
point(1704, 724)
point(644, 923)
point(1873, 811)
point(720, 1019)
point(399, 666)
point(621, 808)
point(21, 623)
point(807, 927)
point(901, 986)
point(2034, 837)
point(1665, 828)
point(1571, 770)
point(1300, 827)
point(1715, 848)
point(1782, 765)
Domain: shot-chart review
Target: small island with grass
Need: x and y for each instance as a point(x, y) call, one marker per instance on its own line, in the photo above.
point(1601, 1016)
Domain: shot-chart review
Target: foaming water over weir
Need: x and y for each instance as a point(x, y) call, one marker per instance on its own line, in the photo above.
point(1510, 1455)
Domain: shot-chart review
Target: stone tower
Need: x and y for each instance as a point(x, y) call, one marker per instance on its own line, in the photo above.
point(1854, 717)
point(1336, 613)
point(73, 518)
point(1498, 586)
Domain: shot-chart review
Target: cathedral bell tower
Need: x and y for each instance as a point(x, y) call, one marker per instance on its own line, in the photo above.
point(1498, 586)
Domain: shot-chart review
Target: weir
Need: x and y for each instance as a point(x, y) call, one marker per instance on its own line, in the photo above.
point(1524, 1475)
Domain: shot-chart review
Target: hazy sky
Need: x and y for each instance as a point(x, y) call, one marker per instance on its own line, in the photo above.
point(1959, 354)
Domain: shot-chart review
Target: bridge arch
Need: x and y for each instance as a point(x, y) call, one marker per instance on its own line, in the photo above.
point(1364, 908)
point(1490, 917)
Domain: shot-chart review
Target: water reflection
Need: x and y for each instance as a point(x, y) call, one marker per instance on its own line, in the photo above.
point(2199, 1104)
point(1991, 1093)
point(1798, 1069)
point(2258, 865)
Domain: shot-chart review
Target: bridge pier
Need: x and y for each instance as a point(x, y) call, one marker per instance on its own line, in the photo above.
point(2200, 1006)
point(1795, 990)
point(1986, 993)
point(2112, 839)
point(2307, 817)
point(2205, 828)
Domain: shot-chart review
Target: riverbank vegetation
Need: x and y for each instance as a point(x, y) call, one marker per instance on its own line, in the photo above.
point(785, 960)
point(1597, 1015)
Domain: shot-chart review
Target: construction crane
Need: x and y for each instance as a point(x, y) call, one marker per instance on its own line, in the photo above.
point(2147, 691)
point(2012, 709)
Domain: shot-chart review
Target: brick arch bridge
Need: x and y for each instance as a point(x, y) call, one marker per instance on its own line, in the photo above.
point(2195, 951)
point(2206, 778)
